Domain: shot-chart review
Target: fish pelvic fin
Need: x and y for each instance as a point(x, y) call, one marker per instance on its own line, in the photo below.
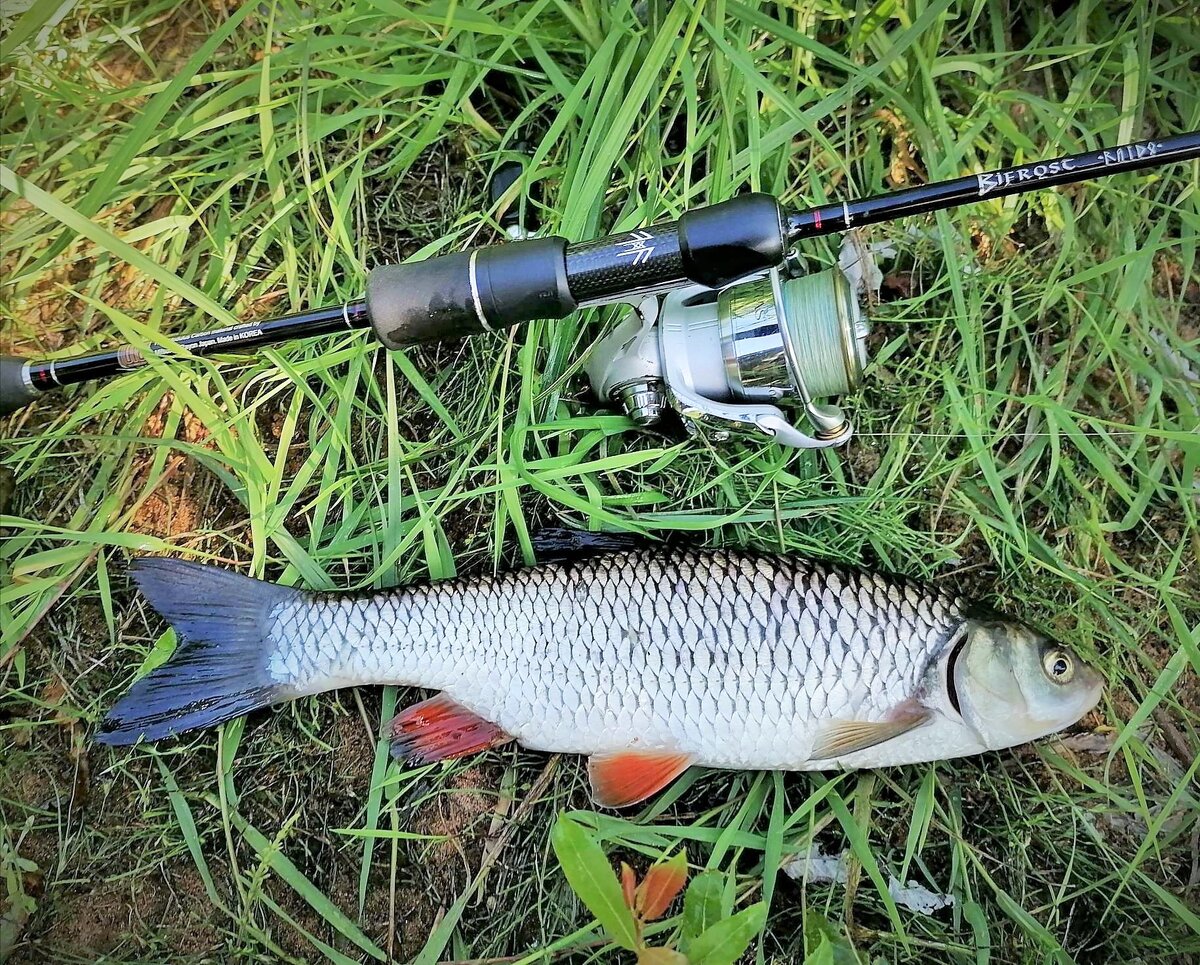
point(838, 737)
point(624, 778)
point(440, 728)
point(220, 668)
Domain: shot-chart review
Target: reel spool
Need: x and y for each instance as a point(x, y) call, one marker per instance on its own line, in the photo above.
point(721, 358)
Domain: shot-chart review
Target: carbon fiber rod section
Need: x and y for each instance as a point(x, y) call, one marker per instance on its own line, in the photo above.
point(706, 246)
point(832, 218)
point(43, 375)
point(644, 260)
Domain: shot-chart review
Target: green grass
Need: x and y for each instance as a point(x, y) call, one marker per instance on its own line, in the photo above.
point(1028, 432)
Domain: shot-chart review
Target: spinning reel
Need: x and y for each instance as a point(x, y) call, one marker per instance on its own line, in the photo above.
point(722, 358)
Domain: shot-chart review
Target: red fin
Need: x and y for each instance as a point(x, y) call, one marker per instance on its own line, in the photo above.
point(627, 777)
point(438, 729)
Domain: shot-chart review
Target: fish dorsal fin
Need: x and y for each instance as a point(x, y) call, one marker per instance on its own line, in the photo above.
point(440, 728)
point(622, 778)
point(838, 737)
point(562, 545)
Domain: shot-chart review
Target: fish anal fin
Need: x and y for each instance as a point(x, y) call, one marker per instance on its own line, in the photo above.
point(440, 728)
point(623, 778)
point(839, 737)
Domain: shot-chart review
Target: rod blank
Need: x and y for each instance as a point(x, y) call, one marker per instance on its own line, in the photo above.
point(21, 381)
point(841, 215)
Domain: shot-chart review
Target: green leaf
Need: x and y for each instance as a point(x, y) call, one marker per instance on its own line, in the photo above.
point(921, 816)
point(821, 955)
point(724, 942)
point(702, 903)
point(976, 917)
point(592, 877)
point(35, 17)
point(824, 943)
point(191, 835)
point(97, 234)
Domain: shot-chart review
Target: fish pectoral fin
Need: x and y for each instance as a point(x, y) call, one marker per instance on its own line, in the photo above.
point(440, 728)
point(622, 778)
point(838, 737)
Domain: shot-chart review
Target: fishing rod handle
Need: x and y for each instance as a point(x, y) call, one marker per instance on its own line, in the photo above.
point(15, 388)
point(491, 289)
point(480, 290)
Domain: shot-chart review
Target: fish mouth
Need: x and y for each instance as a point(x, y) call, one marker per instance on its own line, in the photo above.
point(1095, 690)
point(1089, 698)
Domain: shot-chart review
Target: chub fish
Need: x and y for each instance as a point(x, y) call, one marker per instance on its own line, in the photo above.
point(648, 664)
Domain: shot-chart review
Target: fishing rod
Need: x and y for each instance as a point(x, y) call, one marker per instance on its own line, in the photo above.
point(724, 324)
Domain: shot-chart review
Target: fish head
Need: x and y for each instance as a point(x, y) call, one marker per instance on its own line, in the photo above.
point(1014, 685)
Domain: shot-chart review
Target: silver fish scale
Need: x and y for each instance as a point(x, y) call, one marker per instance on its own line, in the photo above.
point(734, 659)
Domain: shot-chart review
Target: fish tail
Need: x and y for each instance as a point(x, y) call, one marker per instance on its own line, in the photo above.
point(220, 669)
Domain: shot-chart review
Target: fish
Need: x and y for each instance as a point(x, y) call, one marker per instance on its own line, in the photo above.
point(646, 663)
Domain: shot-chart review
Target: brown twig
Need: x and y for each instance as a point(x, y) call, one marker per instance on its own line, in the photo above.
point(1174, 740)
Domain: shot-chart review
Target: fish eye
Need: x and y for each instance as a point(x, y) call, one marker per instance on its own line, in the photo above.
point(1059, 666)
